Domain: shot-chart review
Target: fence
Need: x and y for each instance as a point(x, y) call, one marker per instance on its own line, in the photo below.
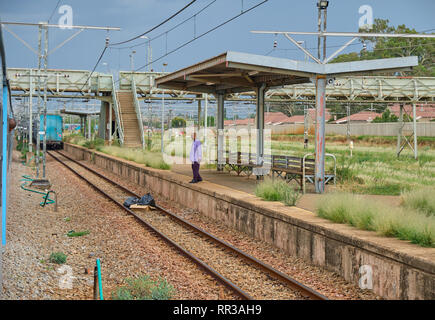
point(424, 129)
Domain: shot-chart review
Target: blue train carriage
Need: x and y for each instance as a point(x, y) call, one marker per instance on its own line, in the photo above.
point(54, 131)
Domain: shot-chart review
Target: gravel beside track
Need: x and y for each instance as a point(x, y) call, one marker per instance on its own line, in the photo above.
point(249, 278)
point(325, 282)
point(125, 248)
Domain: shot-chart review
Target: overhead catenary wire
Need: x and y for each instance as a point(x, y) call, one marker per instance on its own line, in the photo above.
point(171, 29)
point(96, 64)
point(157, 26)
point(54, 10)
point(202, 34)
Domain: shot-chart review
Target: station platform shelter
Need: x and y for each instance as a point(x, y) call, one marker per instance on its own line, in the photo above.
point(236, 72)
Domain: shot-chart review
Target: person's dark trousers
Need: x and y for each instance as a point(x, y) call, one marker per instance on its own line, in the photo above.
point(195, 169)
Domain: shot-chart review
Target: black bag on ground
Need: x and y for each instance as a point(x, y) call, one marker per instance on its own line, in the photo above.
point(147, 200)
point(130, 200)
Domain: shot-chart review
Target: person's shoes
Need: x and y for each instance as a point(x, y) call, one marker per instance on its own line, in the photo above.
point(193, 181)
point(199, 180)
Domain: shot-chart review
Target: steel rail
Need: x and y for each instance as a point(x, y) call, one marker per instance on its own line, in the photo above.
point(226, 282)
point(304, 290)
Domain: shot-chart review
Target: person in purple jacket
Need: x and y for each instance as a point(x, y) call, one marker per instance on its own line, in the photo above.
point(195, 157)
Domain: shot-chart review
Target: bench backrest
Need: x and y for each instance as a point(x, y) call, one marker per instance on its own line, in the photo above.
point(277, 161)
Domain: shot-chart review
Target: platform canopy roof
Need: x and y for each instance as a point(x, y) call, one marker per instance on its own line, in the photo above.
point(236, 72)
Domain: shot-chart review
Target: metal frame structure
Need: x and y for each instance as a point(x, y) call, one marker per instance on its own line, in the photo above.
point(43, 56)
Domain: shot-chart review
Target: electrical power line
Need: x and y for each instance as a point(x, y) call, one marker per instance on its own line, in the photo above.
point(98, 61)
point(155, 27)
point(173, 28)
point(54, 10)
point(203, 34)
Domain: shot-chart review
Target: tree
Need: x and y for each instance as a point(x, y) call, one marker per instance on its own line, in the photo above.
point(387, 116)
point(178, 122)
point(396, 47)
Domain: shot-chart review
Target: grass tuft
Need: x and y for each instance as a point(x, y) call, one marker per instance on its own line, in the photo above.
point(422, 199)
point(277, 190)
point(144, 288)
point(58, 257)
point(72, 233)
point(404, 224)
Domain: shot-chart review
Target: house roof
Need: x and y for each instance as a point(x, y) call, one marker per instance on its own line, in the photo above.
point(360, 116)
point(269, 118)
point(426, 111)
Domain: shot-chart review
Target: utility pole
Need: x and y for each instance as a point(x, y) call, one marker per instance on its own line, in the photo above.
point(322, 7)
point(30, 140)
point(306, 113)
point(205, 120)
point(163, 113)
point(132, 60)
point(348, 122)
point(38, 119)
point(44, 146)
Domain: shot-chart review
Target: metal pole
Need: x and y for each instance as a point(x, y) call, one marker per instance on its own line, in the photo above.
point(30, 112)
point(324, 37)
point(110, 123)
point(163, 113)
point(149, 125)
point(163, 121)
point(88, 119)
point(414, 120)
point(44, 154)
point(305, 126)
point(150, 56)
point(399, 133)
point(319, 25)
point(199, 112)
point(320, 134)
point(38, 120)
point(220, 130)
point(348, 122)
point(260, 123)
point(205, 120)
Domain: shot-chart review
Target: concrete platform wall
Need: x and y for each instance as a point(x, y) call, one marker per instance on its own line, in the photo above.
point(398, 270)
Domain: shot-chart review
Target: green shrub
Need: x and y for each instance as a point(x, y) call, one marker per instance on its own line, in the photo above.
point(277, 190)
point(143, 288)
point(58, 257)
point(404, 224)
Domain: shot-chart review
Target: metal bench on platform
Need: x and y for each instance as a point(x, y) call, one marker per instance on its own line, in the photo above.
point(286, 167)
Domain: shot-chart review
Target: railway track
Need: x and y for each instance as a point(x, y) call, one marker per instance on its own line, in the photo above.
point(246, 276)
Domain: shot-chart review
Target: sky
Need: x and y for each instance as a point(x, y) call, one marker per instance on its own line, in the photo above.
point(136, 16)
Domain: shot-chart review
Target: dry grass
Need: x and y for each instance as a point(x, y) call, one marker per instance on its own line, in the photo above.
point(422, 199)
point(148, 158)
point(404, 224)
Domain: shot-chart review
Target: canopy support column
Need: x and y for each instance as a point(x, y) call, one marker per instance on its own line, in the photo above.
point(260, 123)
point(320, 133)
point(220, 131)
